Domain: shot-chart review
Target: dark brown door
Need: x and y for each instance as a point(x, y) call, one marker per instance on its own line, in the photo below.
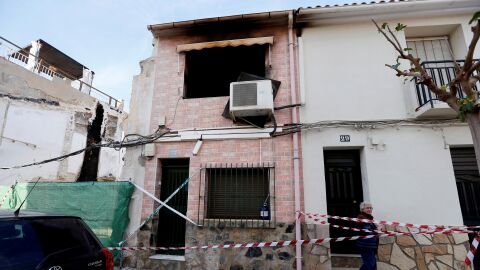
point(468, 187)
point(344, 194)
point(468, 183)
point(171, 227)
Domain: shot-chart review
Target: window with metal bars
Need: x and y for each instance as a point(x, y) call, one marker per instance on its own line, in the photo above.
point(239, 195)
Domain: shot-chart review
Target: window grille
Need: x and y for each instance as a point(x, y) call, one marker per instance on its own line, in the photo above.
point(237, 195)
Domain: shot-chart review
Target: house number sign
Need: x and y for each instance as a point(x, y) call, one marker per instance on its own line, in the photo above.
point(344, 138)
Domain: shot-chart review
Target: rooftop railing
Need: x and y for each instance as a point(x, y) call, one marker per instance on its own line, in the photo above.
point(15, 54)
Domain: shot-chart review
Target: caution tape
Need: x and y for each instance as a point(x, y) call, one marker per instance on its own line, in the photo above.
point(163, 203)
point(318, 217)
point(473, 250)
point(468, 259)
point(285, 243)
point(437, 231)
point(249, 245)
point(154, 213)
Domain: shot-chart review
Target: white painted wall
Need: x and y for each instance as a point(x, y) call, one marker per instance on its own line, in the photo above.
point(340, 80)
point(413, 171)
point(79, 141)
point(138, 122)
point(110, 163)
point(344, 71)
point(32, 134)
point(343, 77)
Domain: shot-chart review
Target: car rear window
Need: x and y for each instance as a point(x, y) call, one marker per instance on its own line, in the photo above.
point(25, 243)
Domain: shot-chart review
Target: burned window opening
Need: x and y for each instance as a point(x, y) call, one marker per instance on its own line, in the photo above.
point(91, 157)
point(209, 72)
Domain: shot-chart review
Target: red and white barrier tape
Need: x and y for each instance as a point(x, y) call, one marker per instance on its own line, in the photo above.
point(6, 195)
point(317, 217)
point(283, 243)
point(248, 245)
point(473, 250)
point(437, 231)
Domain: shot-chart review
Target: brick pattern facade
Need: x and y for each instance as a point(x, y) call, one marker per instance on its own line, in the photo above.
point(206, 113)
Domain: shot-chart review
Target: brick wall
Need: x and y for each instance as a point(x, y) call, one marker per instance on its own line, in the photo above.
point(206, 113)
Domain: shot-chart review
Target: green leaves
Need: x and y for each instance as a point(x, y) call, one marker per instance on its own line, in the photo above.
point(408, 49)
point(400, 27)
point(476, 16)
point(395, 66)
point(466, 105)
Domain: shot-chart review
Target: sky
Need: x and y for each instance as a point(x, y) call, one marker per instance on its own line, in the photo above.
point(110, 37)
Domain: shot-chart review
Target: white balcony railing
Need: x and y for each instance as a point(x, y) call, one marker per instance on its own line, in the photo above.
point(14, 54)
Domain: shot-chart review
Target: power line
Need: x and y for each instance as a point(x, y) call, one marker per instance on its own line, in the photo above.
point(125, 143)
point(286, 130)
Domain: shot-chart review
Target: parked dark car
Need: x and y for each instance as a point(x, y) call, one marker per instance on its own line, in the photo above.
point(39, 241)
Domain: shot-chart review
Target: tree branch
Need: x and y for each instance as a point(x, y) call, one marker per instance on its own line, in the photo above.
point(453, 88)
point(405, 73)
point(471, 47)
point(417, 71)
point(473, 68)
point(475, 79)
point(452, 102)
point(396, 40)
point(398, 49)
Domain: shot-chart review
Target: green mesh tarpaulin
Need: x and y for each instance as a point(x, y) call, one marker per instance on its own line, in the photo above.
point(102, 205)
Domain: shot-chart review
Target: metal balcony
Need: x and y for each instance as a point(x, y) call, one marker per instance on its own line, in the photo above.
point(429, 106)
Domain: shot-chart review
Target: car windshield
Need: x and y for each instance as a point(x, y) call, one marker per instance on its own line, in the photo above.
point(24, 243)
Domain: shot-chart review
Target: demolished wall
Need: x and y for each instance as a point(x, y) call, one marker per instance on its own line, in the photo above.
point(42, 119)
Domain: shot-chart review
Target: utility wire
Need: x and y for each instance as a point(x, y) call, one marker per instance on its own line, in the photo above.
point(286, 130)
point(141, 140)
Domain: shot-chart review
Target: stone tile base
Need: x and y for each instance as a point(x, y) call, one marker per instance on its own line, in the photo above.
point(421, 252)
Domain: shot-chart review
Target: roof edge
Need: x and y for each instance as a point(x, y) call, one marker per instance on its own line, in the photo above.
point(383, 7)
point(261, 16)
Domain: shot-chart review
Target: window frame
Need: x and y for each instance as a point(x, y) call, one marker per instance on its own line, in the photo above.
point(187, 72)
point(204, 217)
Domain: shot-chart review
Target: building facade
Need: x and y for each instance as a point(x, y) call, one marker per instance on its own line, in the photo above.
point(364, 135)
point(375, 137)
point(241, 185)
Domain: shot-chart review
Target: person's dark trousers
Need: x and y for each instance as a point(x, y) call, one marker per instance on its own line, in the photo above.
point(368, 258)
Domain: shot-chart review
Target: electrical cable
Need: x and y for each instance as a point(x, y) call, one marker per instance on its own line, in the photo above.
point(175, 112)
point(286, 130)
point(274, 126)
point(287, 106)
point(248, 122)
point(114, 144)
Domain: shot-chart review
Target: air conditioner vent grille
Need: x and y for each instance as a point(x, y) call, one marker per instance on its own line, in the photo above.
point(245, 94)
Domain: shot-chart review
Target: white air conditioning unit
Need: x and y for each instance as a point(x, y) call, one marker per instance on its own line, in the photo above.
point(251, 98)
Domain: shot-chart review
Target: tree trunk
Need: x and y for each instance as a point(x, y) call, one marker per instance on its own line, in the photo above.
point(473, 120)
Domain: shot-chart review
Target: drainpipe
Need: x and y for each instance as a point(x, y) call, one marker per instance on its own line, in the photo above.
point(296, 168)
